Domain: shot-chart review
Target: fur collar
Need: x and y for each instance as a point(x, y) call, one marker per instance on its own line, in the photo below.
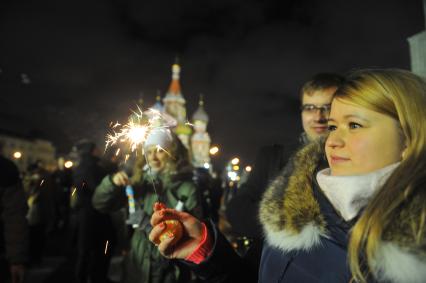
point(292, 221)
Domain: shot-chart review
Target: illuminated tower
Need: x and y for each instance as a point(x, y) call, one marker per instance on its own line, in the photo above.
point(174, 105)
point(200, 141)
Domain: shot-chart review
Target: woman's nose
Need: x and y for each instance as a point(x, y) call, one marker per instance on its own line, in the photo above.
point(335, 139)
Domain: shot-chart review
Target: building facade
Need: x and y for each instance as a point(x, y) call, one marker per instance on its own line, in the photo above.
point(417, 44)
point(25, 151)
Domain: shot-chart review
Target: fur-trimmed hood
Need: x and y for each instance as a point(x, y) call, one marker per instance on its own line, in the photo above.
point(292, 221)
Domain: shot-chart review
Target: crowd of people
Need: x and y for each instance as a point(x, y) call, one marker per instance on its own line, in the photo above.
point(343, 202)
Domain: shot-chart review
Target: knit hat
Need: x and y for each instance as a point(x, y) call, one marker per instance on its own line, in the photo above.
point(161, 137)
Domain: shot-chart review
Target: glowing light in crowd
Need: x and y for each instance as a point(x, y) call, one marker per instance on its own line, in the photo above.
point(248, 168)
point(214, 150)
point(206, 165)
point(106, 247)
point(136, 131)
point(17, 154)
point(235, 161)
point(232, 175)
point(68, 164)
point(235, 167)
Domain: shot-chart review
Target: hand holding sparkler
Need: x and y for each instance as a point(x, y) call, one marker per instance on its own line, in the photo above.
point(120, 179)
point(176, 233)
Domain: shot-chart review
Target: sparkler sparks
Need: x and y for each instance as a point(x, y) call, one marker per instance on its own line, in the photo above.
point(106, 247)
point(73, 191)
point(41, 183)
point(136, 131)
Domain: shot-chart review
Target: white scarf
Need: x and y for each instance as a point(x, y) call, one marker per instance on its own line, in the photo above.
point(349, 194)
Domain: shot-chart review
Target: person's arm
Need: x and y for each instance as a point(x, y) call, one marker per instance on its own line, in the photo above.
point(219, 262)
point(110, 194)
point(242, 210)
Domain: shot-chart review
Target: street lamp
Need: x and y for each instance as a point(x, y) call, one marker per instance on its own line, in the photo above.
point(17, 154)
point(235, 161)
point(214, 150)
point(68, 164)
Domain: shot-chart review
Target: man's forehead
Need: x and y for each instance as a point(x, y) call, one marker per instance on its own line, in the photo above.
point(319, 97)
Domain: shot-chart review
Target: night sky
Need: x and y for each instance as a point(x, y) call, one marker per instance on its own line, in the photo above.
point(68, 68)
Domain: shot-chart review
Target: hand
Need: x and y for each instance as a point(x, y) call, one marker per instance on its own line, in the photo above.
point(120, 179)
point(192, 234)
point(17, 272)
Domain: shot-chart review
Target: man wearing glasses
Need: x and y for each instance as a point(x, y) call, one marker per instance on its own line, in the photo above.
point(316, 95)
point(242, 210)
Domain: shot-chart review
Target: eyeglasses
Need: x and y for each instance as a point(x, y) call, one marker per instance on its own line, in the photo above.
point(310, 108)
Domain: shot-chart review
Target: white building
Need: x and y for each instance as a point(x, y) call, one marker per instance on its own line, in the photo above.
point(24, 151)
point(196, 139)
point(417, 44)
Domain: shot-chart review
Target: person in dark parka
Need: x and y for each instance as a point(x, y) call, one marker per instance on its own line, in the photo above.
point(94, 229)
point(242, 210)
point(13, 224)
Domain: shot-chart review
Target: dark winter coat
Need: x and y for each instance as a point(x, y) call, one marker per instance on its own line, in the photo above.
point(306, 239)
point(242, 209)
point(13, 209)
point(144, 263)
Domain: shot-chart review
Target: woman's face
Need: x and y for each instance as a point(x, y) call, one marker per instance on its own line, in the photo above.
point(361, 140)
point(157, 158)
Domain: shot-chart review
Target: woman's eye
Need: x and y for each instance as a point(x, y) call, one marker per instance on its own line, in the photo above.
point(331, 128)
point(353, 125)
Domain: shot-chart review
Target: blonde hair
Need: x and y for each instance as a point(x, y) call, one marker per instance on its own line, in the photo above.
point(178, 161)
point(402, 95)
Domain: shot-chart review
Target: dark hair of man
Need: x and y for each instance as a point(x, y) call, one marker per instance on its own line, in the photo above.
point(321, 81)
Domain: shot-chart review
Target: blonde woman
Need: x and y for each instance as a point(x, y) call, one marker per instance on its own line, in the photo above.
point(170, 170)
point(359, 215)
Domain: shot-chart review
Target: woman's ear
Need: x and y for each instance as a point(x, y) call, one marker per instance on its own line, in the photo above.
point(404, 150)
point(403, 154)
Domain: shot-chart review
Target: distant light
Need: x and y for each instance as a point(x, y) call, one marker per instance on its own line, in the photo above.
point(17, 154)
point(248, 168)
point(68, 164)
point(232, 175)
point(235, 161)
point(214, 150)
point(237, 178)
point(206, 165)
point(235, 167)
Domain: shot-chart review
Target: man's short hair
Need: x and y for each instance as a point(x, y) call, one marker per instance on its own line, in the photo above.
point(321, 81)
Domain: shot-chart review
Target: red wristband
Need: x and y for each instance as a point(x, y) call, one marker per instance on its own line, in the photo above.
point(203, 250)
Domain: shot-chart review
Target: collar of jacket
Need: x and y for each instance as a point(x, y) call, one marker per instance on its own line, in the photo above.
point(292, 221)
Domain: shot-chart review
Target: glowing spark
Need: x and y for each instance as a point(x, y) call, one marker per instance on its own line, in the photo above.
point(127, 157)
point(117, 152)
point(137, 129)
point(106, 247)
point(73, 191)
point(41, 183)
point(189, 124)
point(160, 148)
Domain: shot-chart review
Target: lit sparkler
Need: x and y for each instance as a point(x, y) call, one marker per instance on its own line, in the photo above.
point(136, 131)
point(106, 247)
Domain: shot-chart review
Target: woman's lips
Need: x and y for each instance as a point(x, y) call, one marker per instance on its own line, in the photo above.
point(338, 159)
